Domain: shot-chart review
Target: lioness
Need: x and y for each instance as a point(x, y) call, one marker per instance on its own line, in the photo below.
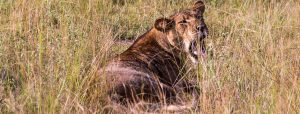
point(150, 68)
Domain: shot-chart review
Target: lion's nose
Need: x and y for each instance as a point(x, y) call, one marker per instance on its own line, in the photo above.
point(201, 28)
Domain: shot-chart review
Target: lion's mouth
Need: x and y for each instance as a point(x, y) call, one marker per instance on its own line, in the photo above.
point(197, 48)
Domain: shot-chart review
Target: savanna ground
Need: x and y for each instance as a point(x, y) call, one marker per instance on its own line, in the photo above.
point(50, 51)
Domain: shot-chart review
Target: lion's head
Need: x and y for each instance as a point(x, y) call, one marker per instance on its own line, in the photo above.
point(186, 30)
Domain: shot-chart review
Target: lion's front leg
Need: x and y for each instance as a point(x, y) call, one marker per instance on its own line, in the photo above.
point(191, 87)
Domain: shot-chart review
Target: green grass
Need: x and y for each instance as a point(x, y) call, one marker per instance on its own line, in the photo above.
point(50, 51)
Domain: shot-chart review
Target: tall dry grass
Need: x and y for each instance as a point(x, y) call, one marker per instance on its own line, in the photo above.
point(50, 51)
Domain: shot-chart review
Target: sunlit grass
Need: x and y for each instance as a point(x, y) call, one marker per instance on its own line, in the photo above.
point(50, 52)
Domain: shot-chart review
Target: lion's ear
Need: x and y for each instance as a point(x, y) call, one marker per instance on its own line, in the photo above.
point(164, 24)
point(199, 6)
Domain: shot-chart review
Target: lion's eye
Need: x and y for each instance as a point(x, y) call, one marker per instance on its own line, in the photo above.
point(182, 22)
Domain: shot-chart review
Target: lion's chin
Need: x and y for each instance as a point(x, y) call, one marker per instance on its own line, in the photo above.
point(197, 50)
